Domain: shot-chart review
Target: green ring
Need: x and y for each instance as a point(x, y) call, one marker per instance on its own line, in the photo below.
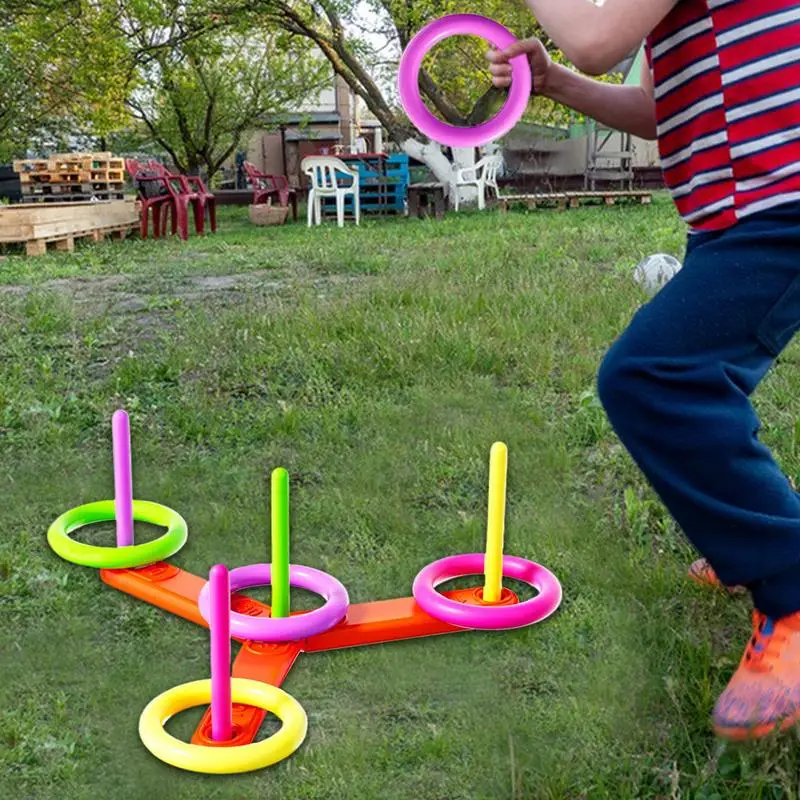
point(138, 555)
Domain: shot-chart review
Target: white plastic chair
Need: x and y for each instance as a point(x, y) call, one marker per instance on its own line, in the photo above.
point(483, 175)
point(322, 171)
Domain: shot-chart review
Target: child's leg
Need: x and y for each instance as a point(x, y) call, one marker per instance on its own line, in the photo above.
point(676, 387)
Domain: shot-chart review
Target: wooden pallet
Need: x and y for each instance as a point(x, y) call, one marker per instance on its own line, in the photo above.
point(88, 163)
point(71, 162)
point(66, 244)
point(75, 198)
point(72, 176)
point(36, 189)
point(73, 186)
point(80, 155)
point(564, 200)
point(38, 226)
point(37, 165)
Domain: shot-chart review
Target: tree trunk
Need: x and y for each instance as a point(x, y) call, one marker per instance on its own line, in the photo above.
point(464, 157)
point(193, 161)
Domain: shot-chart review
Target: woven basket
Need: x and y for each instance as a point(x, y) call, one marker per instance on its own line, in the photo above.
point(267, 214)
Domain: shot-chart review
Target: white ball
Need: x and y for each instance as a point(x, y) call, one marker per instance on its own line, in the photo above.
point(655, 271)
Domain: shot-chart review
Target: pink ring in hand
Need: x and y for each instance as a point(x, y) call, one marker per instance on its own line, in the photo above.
point(408, 81)
point(487, 617)
point(284, 629)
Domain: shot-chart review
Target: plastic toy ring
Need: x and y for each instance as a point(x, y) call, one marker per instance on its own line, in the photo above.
point(138, 555)
point(487, 617)
point(223, 760)
point(408, 81)
point(296, 626)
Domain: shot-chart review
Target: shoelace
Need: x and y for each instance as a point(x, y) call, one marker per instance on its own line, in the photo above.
point(768, 637)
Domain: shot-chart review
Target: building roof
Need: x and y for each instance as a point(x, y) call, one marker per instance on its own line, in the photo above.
point(302, 118)
point(312, 136)
point(314, 118)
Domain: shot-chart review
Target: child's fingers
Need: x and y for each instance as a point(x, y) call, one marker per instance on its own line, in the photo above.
point(496, 56)
point(518, 48)
point(500, 70)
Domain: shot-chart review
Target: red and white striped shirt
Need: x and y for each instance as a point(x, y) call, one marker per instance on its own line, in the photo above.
point(726, 77)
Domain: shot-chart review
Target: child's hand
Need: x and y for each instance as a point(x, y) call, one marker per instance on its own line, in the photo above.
point(540, 61)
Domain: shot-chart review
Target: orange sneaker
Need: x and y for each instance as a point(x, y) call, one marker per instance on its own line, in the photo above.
point(702, 573)
point(764, 693)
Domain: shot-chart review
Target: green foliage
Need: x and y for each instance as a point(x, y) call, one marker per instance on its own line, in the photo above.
point(458, 65)
point(460, 84)
point(64, 68)
point(195, 74)
point(12, 104)
point(197, 99)
point(194, 77)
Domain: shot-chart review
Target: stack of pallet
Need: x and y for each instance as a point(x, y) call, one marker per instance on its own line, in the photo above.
point(72, 177)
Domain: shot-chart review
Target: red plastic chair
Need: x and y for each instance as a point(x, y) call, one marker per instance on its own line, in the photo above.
point(267, 186)
point(191, 190)
point(208, 200)
point(159, 201)
point(179, 208)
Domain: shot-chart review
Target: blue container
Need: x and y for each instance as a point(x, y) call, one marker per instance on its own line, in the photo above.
point(379, 193)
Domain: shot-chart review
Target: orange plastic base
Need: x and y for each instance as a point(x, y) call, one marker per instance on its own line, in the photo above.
point(176, 591)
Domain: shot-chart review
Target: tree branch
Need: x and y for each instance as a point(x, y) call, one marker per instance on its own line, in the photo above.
point(483, 106)
point(140, 114)
point(346, 65)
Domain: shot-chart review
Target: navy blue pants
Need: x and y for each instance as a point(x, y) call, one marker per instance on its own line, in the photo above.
point(676, 388)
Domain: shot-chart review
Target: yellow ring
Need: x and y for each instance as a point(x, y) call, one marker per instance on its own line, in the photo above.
point(223, 760)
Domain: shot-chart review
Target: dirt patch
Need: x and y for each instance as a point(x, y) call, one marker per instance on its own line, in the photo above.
point(145, 310)
point(119, 294)
point(142, 316)
point(231, 288)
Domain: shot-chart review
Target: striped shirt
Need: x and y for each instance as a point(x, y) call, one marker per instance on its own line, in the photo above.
point(726, 77)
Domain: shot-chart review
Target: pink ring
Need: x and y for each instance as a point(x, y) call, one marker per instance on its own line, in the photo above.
point(487, 617)
point(284, 629)
point(408, 81)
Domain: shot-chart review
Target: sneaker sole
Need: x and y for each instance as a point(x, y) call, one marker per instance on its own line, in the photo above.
point(743, 734)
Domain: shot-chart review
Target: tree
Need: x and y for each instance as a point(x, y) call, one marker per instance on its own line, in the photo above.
point(68, 66)
point(452, 76)
point(194, 79)
point(13, 96)
point(29, 65)
point(167, 59)
point(65, 69)
point(199, 98)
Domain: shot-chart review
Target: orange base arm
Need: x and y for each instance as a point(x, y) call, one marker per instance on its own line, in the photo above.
point(176, 591)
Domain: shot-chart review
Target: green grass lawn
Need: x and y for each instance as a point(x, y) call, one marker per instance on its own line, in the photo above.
point(378, 365)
